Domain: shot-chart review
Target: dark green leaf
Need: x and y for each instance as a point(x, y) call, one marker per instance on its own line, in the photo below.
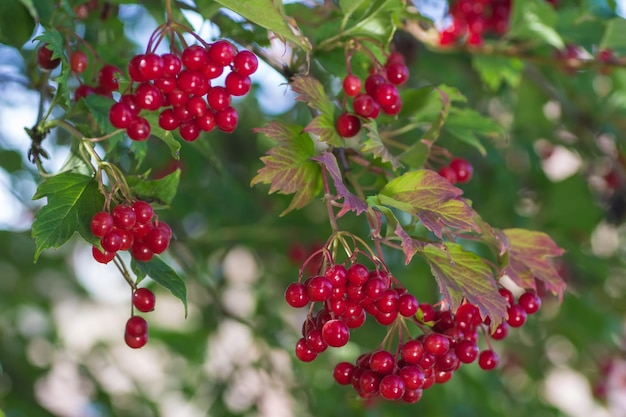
point(72, 201)
point(467, 124)
point(99, 106)
point(165, 276)
point(161, 191)
point(614, 35)
point(16, 23)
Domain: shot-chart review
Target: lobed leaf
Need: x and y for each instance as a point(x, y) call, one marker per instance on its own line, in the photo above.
point(350, 201)
point(530, 256)
point(374, 145)
point(288, 166)
point(464, 275)
point(161, 191)
point(164, 275)
point(72, 201)
point(432, 199)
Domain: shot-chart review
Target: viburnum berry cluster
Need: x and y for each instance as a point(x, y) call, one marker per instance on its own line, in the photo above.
point(179, 87)
point(350, 292)
point(130, 227)
point(136, 332)
point(380, 95)
point(459, 170)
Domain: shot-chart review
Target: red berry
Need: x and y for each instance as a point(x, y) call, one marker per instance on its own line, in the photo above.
point(112, 241)
point(127, 239)
point(141, 252)
point(466, 351)
point(148, 97)
point(44, 58)
point(365, 106)
point(501, 331)
point(530, 302)
point(78, 62)
point(319, 288)
point(189, 131)
point(237, 84)
point(171, 64)
point(124, 217)
point(407, 305)
point(191, 82)
point(351, 85)
point(226, 120)
point(102, 257)
point(108, 77)
point(448, 173)
point(397, 73)
point(412, 352)
point(382, 362)
point(335, 333)
point(436, 344)
point(218, 98)
point(101, 223)
point(303, 352)
point(136, 342)
point(412, 376)
point(488, 360)
point(168, 120)
point(296, 295)
point(372, 82)
point(206, 122)
point(427, 312)
point(245, 63)
point(143, 211)
point(144, 300)
point(463, 169)
point(212, 70)
point(358, 274)
point(337, 274)
point(157, 240)
point(83, 91)
point(151, 67)
point(120, 115)
point(136, 326)
point(133, 68)
point(343, 373)
point(388, 302)
point(139, 129)
point(507, 295)
point(222, 53)
point(391, 387)
point(386, 95)
point(516, 316)
point(348, 125)
point(195, 57)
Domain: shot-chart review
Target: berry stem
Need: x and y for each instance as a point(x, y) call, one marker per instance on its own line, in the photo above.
point(121, 266)
point(328, 199)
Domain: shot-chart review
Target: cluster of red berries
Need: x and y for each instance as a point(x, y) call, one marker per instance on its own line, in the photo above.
point(471, 20)
point(448, 339)
point(136, 333)
point(458, 171)
point(179, 87)
point(348, 295)
point(132, 228)
point(381, 94)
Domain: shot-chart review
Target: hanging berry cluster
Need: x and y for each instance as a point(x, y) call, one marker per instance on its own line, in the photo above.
point(179, 86)
point(381, 95)
point(132, 228)
point(136, 332)
point(402, 367)
point(459, 170)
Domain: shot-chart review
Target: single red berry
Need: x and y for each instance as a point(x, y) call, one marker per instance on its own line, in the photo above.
point(151, 66)
point(189, 131)
point(337, 274)
point(319, 288)
point(226, 120)
point(237, 84)
point(351, 85)
point(136, 326)
point(112, 241)
point(488, 360)
point(374, 288)
point(78, 61)
point(386, 95)
point(382, 362)
point(157, 240)
point(222, 53)
point(394, 108)
point(412, 351)
point(102, 257)
point(143, 211)
point(343, 373)
point(83, 91)
point(463, 169)
point(196, 106)
point(397, 73)
point(218, 98)
point(516, 316)
point(354, 316)
point(447, 362)
point(335, 333)
point(108, 77)
point(467, 316)
point(165, 227)
point(348, 125)
point(172, 64)
point(136, 342)
point(407, 305)
point(388, 302)
point(391, 387)
point(303, 352)
point(501, 331)
point(436, 344)
point(466, 351)
point(191, 82)
point(127, 239)
point(411, 396)
point(448, 173)
point(427, 312)
point(412, 376)
point(296, 295)
point(148, 96)
point(365, 106)
point(133, 68)
point(206, 122)
point(369, 382)
point(315, 341)
point(139, 129)
point(212, 70)
point(131, 102)
point(101, 223)
point(195, 57)
point(372, 82)
point(507, 295)
point(530, 302)
point(358, 274)
point(120, 115)
point(124, 217)
point(245, 63)
point(44, 58)
point(168, 120)
point(144, 300)
point(140, 251)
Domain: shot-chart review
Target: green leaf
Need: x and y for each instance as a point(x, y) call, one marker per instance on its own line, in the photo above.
point(350, 201)
point(495, 70)
point(467, 124)
point(530, 259)
point(75, 162)
point(165, 276)
point(10, 160)
point(534, 20)
point(99, 106)
point(16, 23)
point(376, 22)
point(171, 138)
point(267, 14)
point(461, 274)
point(374, 145)
point(140, 274)
point(288, 166)
point(72, 201)
point(432, 199)
point(614, 35)
point(310, 91)
point(161, 191)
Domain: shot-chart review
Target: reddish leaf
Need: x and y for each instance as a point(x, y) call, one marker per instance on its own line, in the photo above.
point(410, 246)
point(350, 201)
point(432, 199)
point(530, 258)
point(461, 274)
point(288, 167)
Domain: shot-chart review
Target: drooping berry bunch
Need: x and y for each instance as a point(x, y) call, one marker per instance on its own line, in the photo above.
point(459, 170)
point(136, 332)
point(129, 227)
point(179, 87)
point(347, 295)
point(380, 95)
